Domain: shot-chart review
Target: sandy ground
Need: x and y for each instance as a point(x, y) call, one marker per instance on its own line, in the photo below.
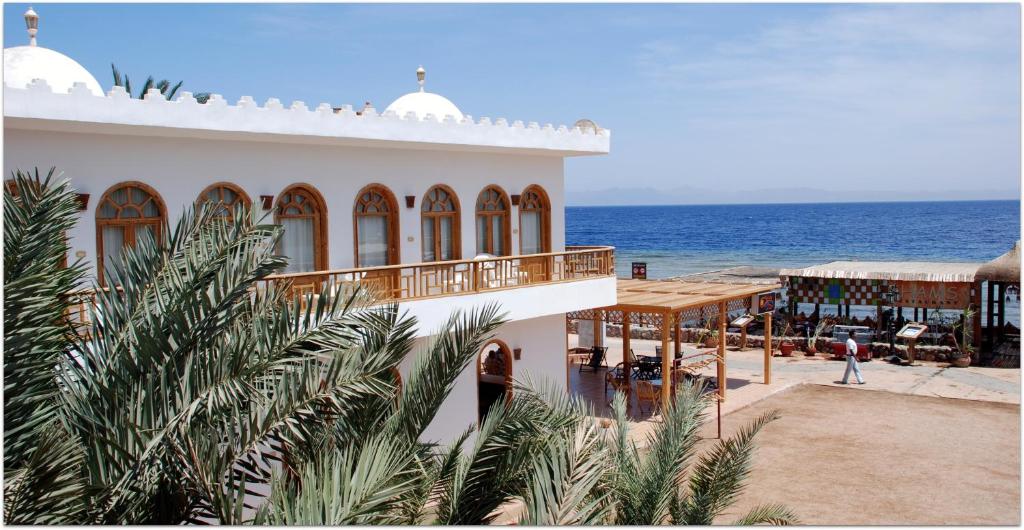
point(840, 456)
point(921, 445)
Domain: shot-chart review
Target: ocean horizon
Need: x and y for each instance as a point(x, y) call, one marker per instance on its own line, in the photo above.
point(794, 203)
point(686, 239)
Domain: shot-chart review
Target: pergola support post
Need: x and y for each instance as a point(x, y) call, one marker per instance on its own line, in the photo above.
point(666, 361)
point(1001, 302)
point(768, 348)
point(722, 382)
point(627, 368)
point(990, 319)
point(677, 335)
point(976, 323)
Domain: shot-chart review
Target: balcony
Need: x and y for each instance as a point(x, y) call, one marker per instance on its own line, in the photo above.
point(419, 281)
point(431, 282)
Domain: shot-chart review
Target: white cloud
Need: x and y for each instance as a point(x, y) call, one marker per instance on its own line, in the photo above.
point(894, 96)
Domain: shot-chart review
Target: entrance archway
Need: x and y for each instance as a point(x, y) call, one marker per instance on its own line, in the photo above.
point(494, 375)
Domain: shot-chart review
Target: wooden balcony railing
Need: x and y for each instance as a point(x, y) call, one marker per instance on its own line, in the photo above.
point(417, 281)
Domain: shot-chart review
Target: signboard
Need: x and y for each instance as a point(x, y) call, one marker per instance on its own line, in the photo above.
point(639, 270)
point(742, 321)
point(935, 294)
point(766, 303)
point(912, 330)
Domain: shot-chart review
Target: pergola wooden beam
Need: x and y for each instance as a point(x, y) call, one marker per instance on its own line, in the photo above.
point(668, 299)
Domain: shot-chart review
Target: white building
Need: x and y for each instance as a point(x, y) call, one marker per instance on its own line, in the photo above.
point(403, 199)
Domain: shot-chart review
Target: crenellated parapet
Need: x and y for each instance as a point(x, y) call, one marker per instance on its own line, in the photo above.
point(37, 106)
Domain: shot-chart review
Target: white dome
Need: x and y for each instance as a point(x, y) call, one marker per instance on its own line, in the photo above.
point(22, 64)
point(423, 103)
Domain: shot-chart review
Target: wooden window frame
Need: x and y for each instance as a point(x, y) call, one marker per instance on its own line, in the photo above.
point(391, 216)
point(243, 197)
point(544, 207)
point(319, 219)
point(506, 216)
point(129, 224)
point(435, 217)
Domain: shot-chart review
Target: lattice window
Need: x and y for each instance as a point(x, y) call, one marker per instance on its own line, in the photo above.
point(440, 225)
point(125, 214)
point(493, 227)
point(741, 304)
point(227, 197)
point(375, 217)
point(302, 213)
point(534, 221)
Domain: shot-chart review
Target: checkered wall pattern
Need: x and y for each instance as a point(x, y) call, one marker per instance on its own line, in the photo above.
point(835, 291)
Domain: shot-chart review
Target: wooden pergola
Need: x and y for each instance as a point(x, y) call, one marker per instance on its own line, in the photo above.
point(667, 304)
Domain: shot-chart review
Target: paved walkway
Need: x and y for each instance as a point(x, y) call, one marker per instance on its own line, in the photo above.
point(746, 383)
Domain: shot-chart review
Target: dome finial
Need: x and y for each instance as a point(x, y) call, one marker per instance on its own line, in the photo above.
point(421, 76)
point(32, 23)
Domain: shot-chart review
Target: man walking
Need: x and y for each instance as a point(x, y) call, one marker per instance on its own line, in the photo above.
point(851, 360)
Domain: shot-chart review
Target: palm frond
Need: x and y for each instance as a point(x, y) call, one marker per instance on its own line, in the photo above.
point(565, 475)
point(49, 487)
point(356, 486)
point(773, 514)
point(718, 478)
point(434, 373)
point(118, 81)
point(36, 326)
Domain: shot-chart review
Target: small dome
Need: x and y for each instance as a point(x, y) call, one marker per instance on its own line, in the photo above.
point(423, 102)
point(22, 64)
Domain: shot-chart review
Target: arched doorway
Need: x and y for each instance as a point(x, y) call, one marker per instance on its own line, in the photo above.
point(494, 375)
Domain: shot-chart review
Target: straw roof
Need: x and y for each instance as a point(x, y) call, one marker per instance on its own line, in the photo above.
point(907, 271)
point(1005, 268)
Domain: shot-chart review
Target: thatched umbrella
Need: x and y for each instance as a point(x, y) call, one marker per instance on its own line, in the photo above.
point(1005, 268)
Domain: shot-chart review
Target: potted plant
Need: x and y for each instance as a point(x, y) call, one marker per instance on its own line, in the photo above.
point(960, 357)
point(812, 343)
point(711, 339)
point(708, 336)
point(786, 345)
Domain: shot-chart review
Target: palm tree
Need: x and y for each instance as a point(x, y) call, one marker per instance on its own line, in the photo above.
point(202, 393)
point(164, 86)
point(191, 387)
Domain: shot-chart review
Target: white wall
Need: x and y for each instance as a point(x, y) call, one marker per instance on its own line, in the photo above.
point(180, 168)
point(519, 303)
point(542, 341)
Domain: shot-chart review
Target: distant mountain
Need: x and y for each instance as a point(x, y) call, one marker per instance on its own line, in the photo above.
point(688, 195)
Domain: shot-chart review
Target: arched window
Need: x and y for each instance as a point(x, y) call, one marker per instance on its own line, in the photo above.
point(375, 217)
point(534, 221)
point(227, 195)
point(492, 222)
point(127, 213)
point(303, 214)
point(440, 224)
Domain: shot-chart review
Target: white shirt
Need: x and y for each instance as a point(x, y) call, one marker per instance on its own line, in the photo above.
point(851, 346)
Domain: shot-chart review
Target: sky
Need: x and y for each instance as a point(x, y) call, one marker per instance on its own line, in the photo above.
point(706, 103)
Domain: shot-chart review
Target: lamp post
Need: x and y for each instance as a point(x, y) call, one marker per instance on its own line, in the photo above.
point(892, 296)
point(32, 24)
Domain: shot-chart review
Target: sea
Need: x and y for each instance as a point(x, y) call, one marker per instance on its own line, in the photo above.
point(685, 239)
